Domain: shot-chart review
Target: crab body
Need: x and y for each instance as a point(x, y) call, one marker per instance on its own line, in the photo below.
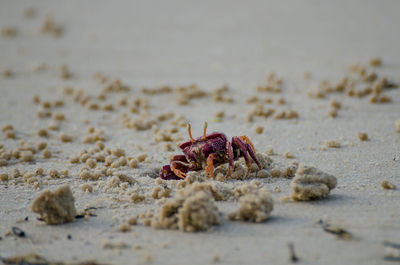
point(208, 151)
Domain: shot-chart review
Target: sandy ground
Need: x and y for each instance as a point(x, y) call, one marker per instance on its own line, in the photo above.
point(209, 43)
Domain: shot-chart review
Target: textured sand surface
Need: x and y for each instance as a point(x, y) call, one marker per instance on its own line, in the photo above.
point(211, 43)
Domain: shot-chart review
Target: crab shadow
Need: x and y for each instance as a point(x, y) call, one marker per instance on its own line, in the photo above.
point(331, 200)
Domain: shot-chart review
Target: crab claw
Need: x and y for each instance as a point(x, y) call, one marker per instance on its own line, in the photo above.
point(167, 174)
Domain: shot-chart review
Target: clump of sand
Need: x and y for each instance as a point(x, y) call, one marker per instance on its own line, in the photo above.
point(55, 207)
point(240, 169)
point(310, 183)
point(191, 209)
point(196, 181)
point(255, 204)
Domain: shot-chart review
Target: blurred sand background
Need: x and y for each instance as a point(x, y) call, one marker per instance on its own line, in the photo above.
point(210, 43)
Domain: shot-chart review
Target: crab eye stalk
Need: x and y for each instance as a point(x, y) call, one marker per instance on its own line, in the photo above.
point(190, 133)
point(204, 130)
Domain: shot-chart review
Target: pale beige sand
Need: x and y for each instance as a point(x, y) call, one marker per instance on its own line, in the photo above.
point(210, 44)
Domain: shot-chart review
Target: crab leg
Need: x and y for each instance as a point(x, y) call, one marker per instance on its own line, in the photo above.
point(230, 157)
point(246, 140)
point(250, 149)
point(242, 147)
point(210, 166)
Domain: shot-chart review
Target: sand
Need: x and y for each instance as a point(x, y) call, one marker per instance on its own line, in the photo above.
point(179, 43)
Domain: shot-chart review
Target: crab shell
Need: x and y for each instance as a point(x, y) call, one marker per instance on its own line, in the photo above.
point(198, 151)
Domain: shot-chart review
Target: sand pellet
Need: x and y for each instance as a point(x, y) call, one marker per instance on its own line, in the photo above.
point(74, 159)
point(16, 154)
point(118, 152)
point(7, 127)
point(42, 133)
point(36, 99)
point(220, 114)
point(8, 31)
point(133, 163)
point(10, 134)
point(39, 171)
point(100, 158)
point(44, 114)
point(397, 125)
point(332, 144)
point(375, 62)
point(3, 162)
point(91, 163)
point(122, 161)
point(53, 173)
point(115, 164)
point(58, 116)
point(65, 138)
point(124, 228)
point(160, 192)
point(252, 99)
point(288, 155)
point(281, 101)
point(263, 173)
point(377, 98)
point(132, 221)
point(100, 145)
point(275, 172)
point(85, 175)
point(335, 104)
point(136, 197)
point(50, 27)
point(64, 72)
point(141, 157)
point(26, 156)
point(94, 106)
point(86, 188)
point(388, 185)
point(8, 73)
point(333, 113)
point(108, 161)
point(46, 104)
point(15, 173)
point(46, 153)
point(362, 136)
point(54, 126)
point(109, 107)
point(269, 150)
point(370, 77)
point(58, 103)
point(259, 130)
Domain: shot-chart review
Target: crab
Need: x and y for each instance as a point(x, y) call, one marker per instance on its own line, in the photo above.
point(208, 151)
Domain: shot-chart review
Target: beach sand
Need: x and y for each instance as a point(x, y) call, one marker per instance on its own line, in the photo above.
point(210, 44)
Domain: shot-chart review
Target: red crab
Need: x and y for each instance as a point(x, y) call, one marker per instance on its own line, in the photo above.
point(207, 151)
